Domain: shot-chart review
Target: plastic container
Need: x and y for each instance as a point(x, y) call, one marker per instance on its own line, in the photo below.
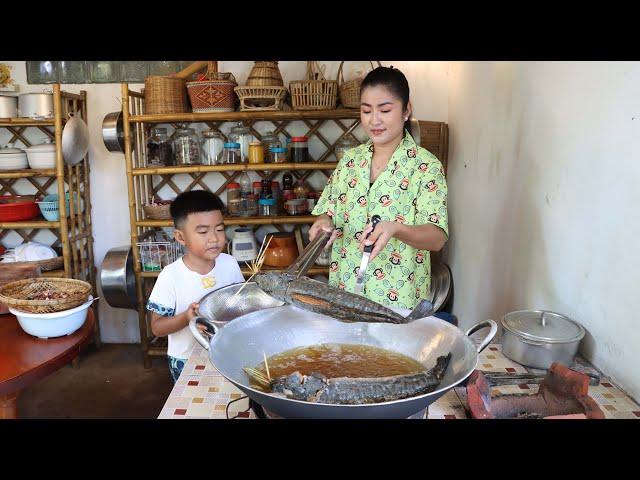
point(211, 147)
point(278, 155)
point(299, 149)
point(17, 208)
point(230, 154)
point(159, 148)
point(56, 324)
point(266, 207)
point(242, 135)
point(50, 207)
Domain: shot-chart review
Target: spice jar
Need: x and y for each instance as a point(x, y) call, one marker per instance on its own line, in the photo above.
point(249, 206)
point(270, 140)
point(159, 149)
point(266, 207)
point(344, 144)
point(299, 149)
point(256, 152)
point(233, 198)
point(301, 190)
point(230, 154)
point(278, 155)
point(186, 146)
point(257, 188)
point(212, 147)
point(242, 135)
point(277, 197)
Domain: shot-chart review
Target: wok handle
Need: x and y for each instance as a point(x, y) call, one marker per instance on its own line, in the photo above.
point(490, 335)
point(203, 339)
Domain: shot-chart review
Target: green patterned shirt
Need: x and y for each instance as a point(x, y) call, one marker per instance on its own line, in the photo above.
point(411, 190)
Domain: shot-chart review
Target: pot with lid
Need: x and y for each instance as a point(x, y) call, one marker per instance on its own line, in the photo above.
point(35, 105)
point(42, 156)
point(537, 338)
point(12, 158)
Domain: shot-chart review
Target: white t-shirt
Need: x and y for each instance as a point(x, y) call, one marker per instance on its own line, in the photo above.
point(177, 287)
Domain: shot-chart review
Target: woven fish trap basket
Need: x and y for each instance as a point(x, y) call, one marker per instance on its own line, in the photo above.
point(313, 94)
point(30, 295)
point(261, 98)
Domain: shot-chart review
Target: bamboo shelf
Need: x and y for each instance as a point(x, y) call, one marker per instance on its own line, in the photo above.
point(143, 181)
point(73, 231)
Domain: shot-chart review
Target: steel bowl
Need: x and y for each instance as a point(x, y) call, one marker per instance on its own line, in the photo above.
point(75, 139)
point(117, 278)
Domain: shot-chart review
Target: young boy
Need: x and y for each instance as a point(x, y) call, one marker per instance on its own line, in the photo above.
point(199, 227)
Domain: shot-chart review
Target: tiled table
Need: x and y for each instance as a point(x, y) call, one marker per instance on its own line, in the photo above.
point(201, 392)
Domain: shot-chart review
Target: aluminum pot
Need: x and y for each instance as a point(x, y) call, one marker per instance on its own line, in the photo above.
point(117, 278)
point(35, 105)
point(242, 341)
point(537, 338)
point(113, 132)
point(8, 106)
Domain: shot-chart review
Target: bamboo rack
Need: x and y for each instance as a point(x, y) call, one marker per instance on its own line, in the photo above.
point(73, 230)
point(143, 181)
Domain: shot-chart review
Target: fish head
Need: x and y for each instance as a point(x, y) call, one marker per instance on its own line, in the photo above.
point(298, 386)
point(273, 283)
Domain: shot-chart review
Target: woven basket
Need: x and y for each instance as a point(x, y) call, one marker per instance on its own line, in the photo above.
point(164, 95)
point(18, 294)
point(314, 94)
point(215, 94)
point(265, 74)
point(45, 265)
point(350, 90)
point(157, 212)
point(261, 98)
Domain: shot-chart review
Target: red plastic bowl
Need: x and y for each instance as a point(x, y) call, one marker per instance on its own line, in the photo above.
point(15, 209)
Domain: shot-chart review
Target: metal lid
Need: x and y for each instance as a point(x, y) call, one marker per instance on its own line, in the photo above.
point(543, 326)
point(43, 147)
point(211, 134)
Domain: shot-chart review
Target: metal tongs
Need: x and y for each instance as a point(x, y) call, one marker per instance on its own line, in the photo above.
point(309, 255)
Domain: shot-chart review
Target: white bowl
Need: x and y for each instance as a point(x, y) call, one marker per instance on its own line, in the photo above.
point(42, 156)
point(56, 324)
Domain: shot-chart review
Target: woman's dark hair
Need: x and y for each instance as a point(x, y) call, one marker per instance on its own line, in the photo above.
point(194, 201)
point(392, 79)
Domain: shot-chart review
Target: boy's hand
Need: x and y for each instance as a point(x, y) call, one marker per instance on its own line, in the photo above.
point(192, 312)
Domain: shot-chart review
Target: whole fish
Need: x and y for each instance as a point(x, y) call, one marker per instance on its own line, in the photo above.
point(319, 297)
point(353, 391)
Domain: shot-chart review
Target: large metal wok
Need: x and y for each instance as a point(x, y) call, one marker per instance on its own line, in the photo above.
point(243, 341)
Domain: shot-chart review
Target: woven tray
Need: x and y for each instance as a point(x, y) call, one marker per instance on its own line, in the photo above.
point(45, 265)
point(261, 98)
point(17, 294)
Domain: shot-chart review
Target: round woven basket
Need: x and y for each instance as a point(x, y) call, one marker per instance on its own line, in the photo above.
point(157, 212)
point(265, 74)
point(164, 95)
point(350, 90)
point(23, 294)
point(45, 265)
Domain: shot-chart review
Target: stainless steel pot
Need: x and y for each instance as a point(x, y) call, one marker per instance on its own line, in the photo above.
point(75, 139)
point(8, 106)
point(113, 132)
point(243, 342)
point(117, 278)
point(35, 105)
point(537, 338)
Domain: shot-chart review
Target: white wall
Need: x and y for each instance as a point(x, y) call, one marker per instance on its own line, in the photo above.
point(109, 199)
point(543, 182)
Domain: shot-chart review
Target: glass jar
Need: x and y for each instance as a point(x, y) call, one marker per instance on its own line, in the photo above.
point(242, 135)
point(256, 152)
point(277, 196)
point(257, 188)
point(186, 146)
point(230, 154)
point(266, 207)
point(159, 149)
point(270, 140)
point(287, 181)
point(301, 190)
point(233, 198)
point(212, 146)
point(249, 206)
point(344, 144)
point(278, 155)
point(299, 149)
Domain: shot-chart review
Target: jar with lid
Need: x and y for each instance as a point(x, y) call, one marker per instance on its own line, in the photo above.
point(212, 147)
point(278, 155)
point(277, 196)
point(256, 152)
point(299, 149)
point(242, 135)
point(257, 188)
point(233, 198)
point(186, 146)
point(270, 140)
point(287, 181)
point(266, 206)
point(345, 143)
point(230, 154)
point(249, 206)
point(301, 190)
point(159, 149)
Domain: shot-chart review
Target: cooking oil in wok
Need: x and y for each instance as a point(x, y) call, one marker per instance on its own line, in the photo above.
point(341, 360)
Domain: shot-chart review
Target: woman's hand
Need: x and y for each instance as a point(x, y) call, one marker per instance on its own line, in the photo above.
point(323, 223)
point(383, 232)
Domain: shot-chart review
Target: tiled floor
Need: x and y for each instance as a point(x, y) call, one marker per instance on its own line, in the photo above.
point(201, 392)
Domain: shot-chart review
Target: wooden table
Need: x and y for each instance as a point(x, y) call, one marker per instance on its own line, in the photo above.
point(24, 359)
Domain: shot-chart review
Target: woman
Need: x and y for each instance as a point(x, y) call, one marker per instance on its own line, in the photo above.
point(393, 177)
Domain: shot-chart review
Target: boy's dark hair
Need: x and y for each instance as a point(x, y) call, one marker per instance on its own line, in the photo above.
point(194, 201)
point(392, 79)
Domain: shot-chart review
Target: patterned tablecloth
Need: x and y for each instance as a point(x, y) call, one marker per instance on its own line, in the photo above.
point(201, 392)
